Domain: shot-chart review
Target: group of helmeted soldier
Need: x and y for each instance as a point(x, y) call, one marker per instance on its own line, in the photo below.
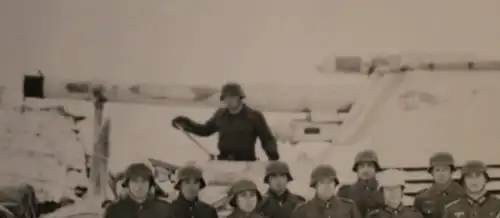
point(239, 126)
point(370, 196)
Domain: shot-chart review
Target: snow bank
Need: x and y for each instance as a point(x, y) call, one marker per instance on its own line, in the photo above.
point(40, 146)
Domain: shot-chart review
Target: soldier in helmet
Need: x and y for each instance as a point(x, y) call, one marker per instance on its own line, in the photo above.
point(244, 197)
point(392, 184)
point(430, 201)
point(238, 126)
point(364, 192)
point(325, 203)
point(189, 184)
point(477, 202)
point(279, 202)
point(139, 202)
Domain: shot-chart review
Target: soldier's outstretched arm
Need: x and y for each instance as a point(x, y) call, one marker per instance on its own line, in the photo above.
point(206, 129)
point(266, 137)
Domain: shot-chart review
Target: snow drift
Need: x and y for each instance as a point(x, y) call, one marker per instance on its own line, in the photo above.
point(41, 147)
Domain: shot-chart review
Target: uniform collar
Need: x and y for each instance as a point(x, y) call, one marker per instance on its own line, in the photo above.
point(370, 184)
point(181, 199)
point(281, 198)
point(453, 187)
point(480, 201)
point(239, 213)
point(134, 202)
point(243, 110)
point(332, 202)
point(394, 211)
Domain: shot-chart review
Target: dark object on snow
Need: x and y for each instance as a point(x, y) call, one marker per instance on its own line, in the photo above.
point(20, 200)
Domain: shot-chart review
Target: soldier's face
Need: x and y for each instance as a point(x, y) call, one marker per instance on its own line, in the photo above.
point(139, 187)
point(366, 170)
point(247, 201)
point(278, 182)
point(325, 188)
point(441, 174)
point(232, 102)
point(190, 188)
point(475, 182)
point(393, 195)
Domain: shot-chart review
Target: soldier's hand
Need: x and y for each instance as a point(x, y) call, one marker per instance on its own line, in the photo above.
point(273, 156)
point(180, 122)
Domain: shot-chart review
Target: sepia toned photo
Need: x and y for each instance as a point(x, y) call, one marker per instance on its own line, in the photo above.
point(249, 109)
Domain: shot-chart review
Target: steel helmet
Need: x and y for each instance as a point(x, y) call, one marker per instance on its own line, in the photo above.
point(187, 172)
point(391, 178)
point(232, 89)
point(137, 170)
point(241, 186)
point(323, 171)
point(474, 166)
point(366, 156)
point(277, 167)
point(441, 158)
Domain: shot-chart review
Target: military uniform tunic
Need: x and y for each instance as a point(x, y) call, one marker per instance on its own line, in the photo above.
point(431, 201)
point(400, 212)
point(487, 206)
point(128, 208)
point(280, 206)
point(334, 208)
point(183, 208)
point(237, 213)
point(365, 194)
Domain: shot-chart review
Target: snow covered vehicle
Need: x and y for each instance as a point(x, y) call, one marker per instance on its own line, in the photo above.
point(407, 110)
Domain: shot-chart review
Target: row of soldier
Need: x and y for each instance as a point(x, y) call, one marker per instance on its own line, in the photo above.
point(368, 197)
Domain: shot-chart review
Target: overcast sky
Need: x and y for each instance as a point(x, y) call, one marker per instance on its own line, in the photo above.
point(190, 41)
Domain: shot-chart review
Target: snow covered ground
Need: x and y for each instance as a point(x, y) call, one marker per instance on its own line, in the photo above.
point(40, 146)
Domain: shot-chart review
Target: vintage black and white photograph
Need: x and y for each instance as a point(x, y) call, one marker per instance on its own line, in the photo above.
point(249, 109)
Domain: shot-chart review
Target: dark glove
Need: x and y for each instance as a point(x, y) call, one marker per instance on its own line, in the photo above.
point(273, 156)
point(180, 122)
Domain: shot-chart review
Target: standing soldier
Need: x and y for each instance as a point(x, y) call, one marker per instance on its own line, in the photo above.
point(238, 126)
point(430, 201)
point(189, 183)
point(364, 192)
point(392, 185)
point(325, 203)
point(139, 202)
point(279, 202)
point(477, 202)
point(244, 198)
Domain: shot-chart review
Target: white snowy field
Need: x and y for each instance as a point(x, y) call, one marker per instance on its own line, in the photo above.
point(213, 42)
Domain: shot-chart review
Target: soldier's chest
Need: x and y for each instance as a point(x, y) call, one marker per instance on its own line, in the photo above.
point(330, 213)
point(396, 215)
point(437, 202)
point(477, 212)
point(235, 123)
point(142, 212)
point(190, 212)
point(279, 209)
point(362, 194)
